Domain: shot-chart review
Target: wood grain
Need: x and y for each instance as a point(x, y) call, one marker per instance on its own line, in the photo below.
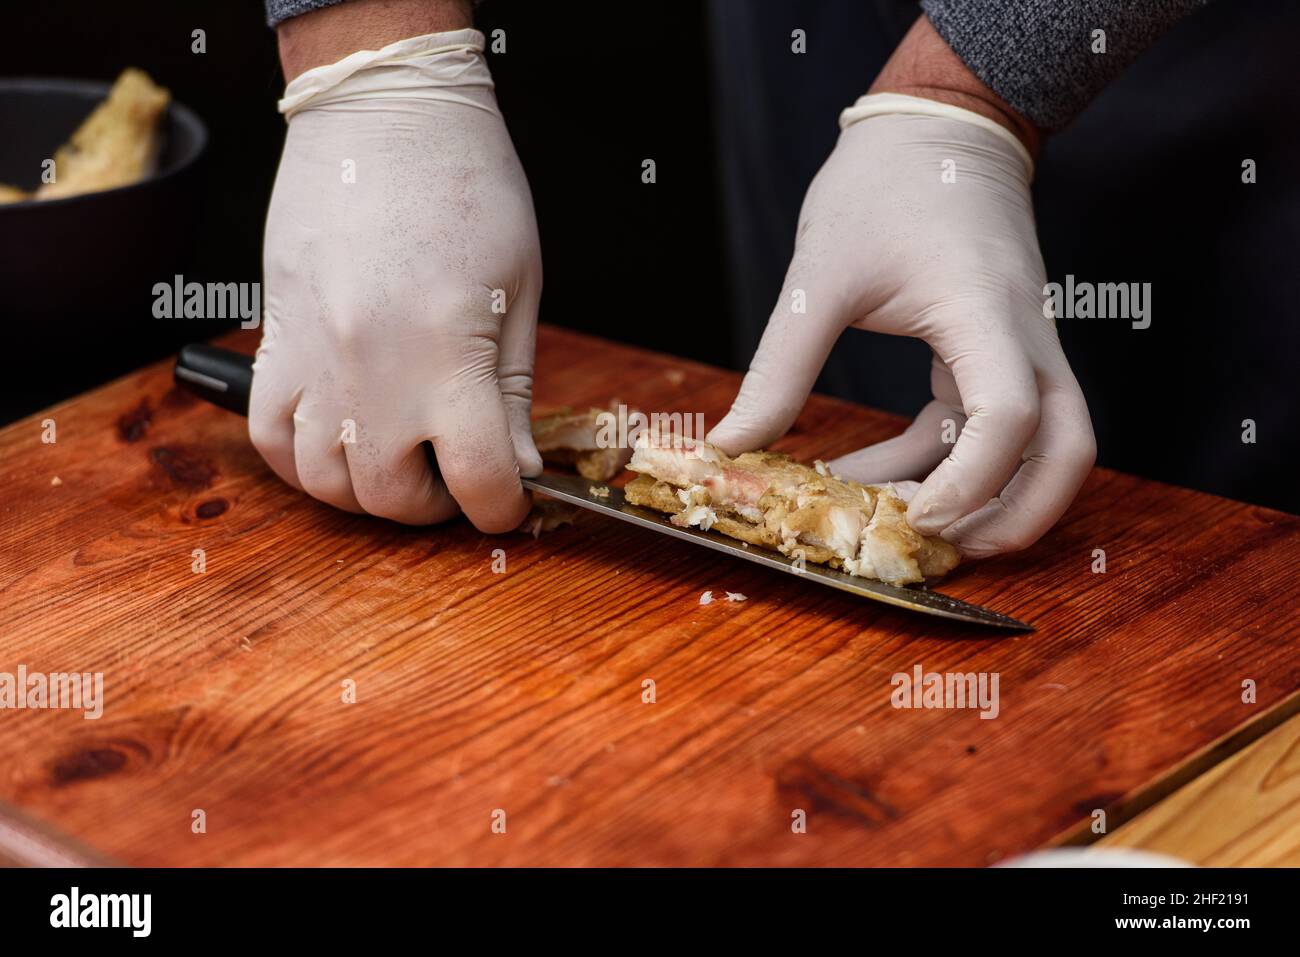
point(1245, 812)
point(523, 691)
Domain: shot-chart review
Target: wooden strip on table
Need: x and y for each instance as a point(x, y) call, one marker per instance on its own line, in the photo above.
point(522, 692)
point(1245, 812)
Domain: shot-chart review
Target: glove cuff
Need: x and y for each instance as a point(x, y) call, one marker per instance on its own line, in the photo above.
point(437, 66)
point(896, 104)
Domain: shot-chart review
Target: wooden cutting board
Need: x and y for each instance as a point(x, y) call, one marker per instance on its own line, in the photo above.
point(479, 693)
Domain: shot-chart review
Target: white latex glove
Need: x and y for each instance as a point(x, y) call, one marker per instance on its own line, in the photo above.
point(885, 244)
point(402, 278)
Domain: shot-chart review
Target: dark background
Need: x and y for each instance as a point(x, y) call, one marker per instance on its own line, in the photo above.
point(1144, 187)
point(647, 258)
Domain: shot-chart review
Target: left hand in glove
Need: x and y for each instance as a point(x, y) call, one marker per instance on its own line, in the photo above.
point(888, 242)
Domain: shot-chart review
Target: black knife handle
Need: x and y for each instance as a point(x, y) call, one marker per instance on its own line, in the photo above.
point(223, 377)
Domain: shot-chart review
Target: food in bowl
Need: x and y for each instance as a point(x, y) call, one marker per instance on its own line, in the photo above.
point(115, 146)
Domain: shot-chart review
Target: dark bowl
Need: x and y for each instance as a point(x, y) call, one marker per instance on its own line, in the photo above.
point(80, 257)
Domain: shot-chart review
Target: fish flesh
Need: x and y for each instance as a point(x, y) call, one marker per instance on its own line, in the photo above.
point(573, 440)
point(770, 500)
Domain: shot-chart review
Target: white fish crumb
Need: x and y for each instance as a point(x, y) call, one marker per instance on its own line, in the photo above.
point(822, 468)
point(698, 515)
point(736, 596)
point(695, 495)
point(706, 598)
point(599, 491)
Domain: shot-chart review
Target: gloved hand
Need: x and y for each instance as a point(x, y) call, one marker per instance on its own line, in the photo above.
point(402, 277)
point(885, 244)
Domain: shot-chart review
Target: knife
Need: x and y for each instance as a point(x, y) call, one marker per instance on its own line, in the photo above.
point(225, 378)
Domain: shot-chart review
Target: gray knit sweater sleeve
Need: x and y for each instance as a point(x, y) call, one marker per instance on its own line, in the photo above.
point(278, 10)
point(1043, 56)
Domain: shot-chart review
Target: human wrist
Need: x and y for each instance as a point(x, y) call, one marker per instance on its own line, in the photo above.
point(327, 35)
point(923, 65)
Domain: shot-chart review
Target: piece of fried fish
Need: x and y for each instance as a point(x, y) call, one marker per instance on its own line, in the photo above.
point(770, 500)
point(116, 145)
point(572, 439)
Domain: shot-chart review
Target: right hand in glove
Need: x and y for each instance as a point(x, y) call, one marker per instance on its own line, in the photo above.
point(402, 276)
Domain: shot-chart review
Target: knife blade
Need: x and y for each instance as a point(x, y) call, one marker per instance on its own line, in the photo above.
point(224, 378)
